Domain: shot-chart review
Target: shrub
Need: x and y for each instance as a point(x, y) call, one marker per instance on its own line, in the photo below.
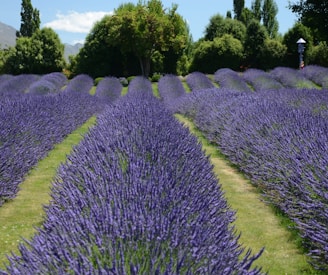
point(319, 54)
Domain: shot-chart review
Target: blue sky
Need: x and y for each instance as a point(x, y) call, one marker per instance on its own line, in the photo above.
point(73, 19)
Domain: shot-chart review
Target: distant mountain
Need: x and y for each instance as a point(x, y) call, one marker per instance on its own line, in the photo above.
point(71, 49)
point(7, 36)
point(8, 39)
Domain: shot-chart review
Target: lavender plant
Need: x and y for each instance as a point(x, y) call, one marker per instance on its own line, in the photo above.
point(260, 80)
point(81, 83)
point(279, 139)
point(198, 80)
point(229, 79)
point(30, 126)
point(109, 89)
point(137, 196)
point(171, 90)
point(49, 83)
point(317, 74)
point(17, 84)
point(292, 78)
point(141, 84)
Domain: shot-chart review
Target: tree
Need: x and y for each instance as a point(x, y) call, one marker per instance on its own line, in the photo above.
point(238, 6)
point(30, 20)
point(247, 16)
point(223, 52)
point(40, 54)
point(256, 34)
point(257, 9)
point(51, 51)
point(314, 15)
point(145, 29)
point(272, 54)
point(97, 58)
point(269, 13)
point(319, 54)
point(290, 38)
point(219, 26)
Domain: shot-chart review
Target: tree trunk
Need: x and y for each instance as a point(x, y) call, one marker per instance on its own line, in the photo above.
point(145, 66)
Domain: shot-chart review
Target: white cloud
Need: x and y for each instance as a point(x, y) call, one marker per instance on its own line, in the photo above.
point(76, 22)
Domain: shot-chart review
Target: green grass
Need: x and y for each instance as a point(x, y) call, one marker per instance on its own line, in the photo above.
point(21, 215)
point(186, 86)
point(256, 221)
point(124, 90)
point(154, 86)
point(93, 90)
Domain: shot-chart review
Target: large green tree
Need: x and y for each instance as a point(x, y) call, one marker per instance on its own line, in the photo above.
point(218, 26)
point(272, 54)
point(269, 13)
point(30, 19)
point(97, 58)
point(314, 15)
point(39, 54)
point(223, 52)
point(256, 35)
point(145, 29)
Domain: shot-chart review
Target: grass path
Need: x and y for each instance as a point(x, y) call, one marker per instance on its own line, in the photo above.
point(258, 224)
point(19, 216)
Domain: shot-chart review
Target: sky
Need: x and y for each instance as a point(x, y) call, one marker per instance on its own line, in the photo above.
point(72, 20)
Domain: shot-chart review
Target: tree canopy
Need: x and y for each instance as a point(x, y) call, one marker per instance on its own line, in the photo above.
point(238, 6)
point(222, 52)
point(145, 29)
point(97, 58)
point(30, 19)
point(256, 34)
point(269, 13)
point(39, 54)
point(219, 26)
point(314, 15)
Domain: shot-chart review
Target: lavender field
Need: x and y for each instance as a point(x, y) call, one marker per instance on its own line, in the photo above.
point(139, 185)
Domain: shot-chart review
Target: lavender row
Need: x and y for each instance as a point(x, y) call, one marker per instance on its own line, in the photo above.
point(198, 80)
point(49, 83)
point(229, 79)
point(141, 84)
point(280, 140)
point(170, 89)
point(81, 83)
point(292, 78)
point(18, 84)
point(317, 74)
point(30, 126)
point(261, 80)
point(137, 196)
point(109, 89)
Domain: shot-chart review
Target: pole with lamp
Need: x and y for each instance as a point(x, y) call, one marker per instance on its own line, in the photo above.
point(301, 45)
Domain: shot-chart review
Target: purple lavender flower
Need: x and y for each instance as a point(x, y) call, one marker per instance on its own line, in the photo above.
point(136, 196)
point(279, 139)
point(229, 79)
point(198, 80)
point(109, 89)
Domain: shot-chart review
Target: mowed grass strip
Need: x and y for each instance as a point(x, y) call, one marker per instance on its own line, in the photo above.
point(20, 216)
point(256, 221)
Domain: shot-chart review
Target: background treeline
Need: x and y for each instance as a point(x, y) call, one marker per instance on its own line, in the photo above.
point(148, 39)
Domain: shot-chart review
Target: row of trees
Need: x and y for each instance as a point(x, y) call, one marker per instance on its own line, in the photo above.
point(145, 38)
